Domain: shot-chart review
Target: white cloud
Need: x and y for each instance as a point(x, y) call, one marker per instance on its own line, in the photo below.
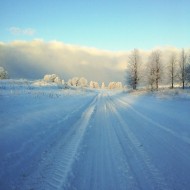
point(36, 58)
point(22, 31)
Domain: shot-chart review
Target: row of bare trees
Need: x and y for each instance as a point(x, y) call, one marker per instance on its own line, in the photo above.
point(151, 73)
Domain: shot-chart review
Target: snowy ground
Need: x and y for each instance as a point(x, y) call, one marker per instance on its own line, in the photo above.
point(93, 140)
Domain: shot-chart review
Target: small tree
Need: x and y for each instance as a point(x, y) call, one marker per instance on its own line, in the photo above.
point(132, 78)
point(53, 78)
point(182, 68)
point(94, 84)
point(103, 85)
point(115, 85)
point(74, 81)
point(58, 80)
point(83, 82)
point(50, 78)
point(155, 68)
point(111, 85)
point(172, 68)
point(3, 73)
point(187, 71)
point(119, 85)
point(151, 76)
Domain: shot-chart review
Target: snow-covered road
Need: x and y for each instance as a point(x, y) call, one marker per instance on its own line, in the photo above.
point(94, 141)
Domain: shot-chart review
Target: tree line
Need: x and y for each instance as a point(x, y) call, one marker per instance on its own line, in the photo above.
point(80, 82)
point(154, 72)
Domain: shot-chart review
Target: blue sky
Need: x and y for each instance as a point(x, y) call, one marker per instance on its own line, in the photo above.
point(111, 25)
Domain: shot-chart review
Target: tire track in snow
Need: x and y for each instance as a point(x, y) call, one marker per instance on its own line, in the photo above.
point(128, 173)
point(185, 139)
point(102, 165)
point(173, 150)
point(34, 146)
point(54, 169)
point(151, 173)
point(16, 154)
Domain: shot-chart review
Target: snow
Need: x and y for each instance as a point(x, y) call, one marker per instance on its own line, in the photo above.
point(53, 138)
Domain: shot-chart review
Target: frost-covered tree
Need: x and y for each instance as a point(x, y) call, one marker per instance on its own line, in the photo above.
point(103, 86)
point(94, 84)
point(3, 73)
point(50, 78)
point(172, 69)
point(115, 85)
point(133, 67)
point(54, 79)
point(83, 82)
point(58, 80)
point(76, 81)
point(187, 71)
point(154, 70)
point(119, 85)
point(91, 84)
point(111, 85)
point(183, 64)
point(69, 82)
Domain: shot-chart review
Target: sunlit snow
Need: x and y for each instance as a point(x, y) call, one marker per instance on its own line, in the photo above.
point(52, 137)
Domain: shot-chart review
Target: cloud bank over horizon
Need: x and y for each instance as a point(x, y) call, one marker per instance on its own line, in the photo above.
point(34, 59)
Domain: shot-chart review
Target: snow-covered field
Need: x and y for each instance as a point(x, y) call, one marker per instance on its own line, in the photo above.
point(53, 138)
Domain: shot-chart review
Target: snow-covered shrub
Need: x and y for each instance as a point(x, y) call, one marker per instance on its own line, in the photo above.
point(103, 85)
point(119, 85)
point(115, 85)
point(83, 82)
point(69, 82)
point(73, 82)
point(50, 78)
point(53, 78)
point(94, 84)
point(76, 81)
point(58, 80)
point(3, 73)
point(111, 85)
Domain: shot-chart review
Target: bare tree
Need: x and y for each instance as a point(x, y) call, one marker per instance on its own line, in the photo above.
point(151, 76)
point(132, 72)
point(155, 69)
point(182, 67)
point(187, 70)
point(172, 68)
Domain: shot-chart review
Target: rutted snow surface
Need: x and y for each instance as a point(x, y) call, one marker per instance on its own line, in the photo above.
point(96, 141)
